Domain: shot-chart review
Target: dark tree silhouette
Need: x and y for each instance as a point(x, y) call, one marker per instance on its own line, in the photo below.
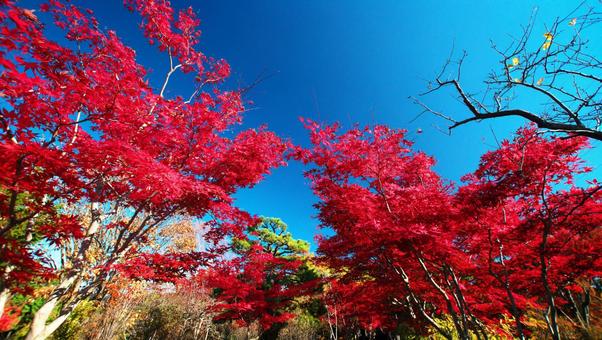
point(556, 68)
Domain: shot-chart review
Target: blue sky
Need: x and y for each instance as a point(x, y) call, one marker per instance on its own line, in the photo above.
point(348, 61)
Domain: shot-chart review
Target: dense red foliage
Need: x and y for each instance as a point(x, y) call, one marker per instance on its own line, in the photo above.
point(251, 287)
point(95, 158)
point(81, 124)
point(9, 319)
point(516, 234)
point(526, 224)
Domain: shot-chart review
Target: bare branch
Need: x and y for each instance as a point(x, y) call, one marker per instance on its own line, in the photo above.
point(554, 70)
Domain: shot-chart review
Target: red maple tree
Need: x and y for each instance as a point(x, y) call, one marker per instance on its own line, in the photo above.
point(407, 247)
point(95, 159)
point(262, 278)
point(527, 224)
point(82, 127)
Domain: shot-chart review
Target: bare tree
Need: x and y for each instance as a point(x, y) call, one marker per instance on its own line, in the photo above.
point(555, 68)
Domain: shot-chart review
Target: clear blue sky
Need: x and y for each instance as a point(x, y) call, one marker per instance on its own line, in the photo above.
point(348, 61)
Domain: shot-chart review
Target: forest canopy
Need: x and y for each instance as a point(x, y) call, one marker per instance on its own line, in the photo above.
point(119, 216)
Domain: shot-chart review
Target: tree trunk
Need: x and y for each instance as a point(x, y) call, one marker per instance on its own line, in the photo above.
point(39, 330)
point(4, 296)
point(272, 332)
point(551, 315)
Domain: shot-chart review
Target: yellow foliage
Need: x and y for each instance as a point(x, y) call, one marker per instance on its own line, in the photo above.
point(502, 332)
point(180, 235)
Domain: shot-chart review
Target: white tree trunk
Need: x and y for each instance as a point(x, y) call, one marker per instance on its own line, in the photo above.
point(45, 331)
point(39, 330)
point(4, 295)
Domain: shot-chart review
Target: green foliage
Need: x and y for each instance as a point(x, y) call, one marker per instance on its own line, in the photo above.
point(304, 326)
point(28, 305)
point(446, 323)
point(25, 232)
point(272, 234)
point(74, 327)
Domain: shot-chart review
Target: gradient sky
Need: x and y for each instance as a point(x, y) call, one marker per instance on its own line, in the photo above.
point(349, 61)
